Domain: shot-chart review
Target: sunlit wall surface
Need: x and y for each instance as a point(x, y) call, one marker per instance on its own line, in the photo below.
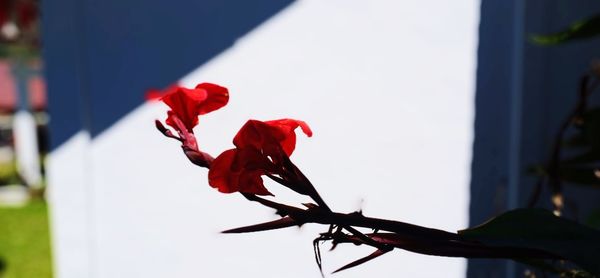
point(387, 87)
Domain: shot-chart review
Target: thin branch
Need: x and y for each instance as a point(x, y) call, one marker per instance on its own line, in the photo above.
point(537, 192)
point(354, 219)
point(309, 188)
point(586, 88)
point(305, 183)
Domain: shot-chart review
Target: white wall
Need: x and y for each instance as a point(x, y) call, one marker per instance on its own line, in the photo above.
point(387, 87)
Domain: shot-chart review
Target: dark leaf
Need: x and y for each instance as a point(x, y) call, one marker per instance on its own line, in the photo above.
point(589, 131)
point(558, 268)
point(593, 220)
point(587, 157)
point(542, 230)
point(576, 141)
point(537, 170)
point(582, 29)
point(271, 225)
point(591, 127)
point(580, 175)
point(360, 261)
point(318, 259)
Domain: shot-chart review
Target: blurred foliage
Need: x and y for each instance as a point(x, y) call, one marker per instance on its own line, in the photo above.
point(19, 28)
point(25, 242)
point(22, 51)
point(593, 219)
point(8, 173)
point(578, 162)
point(574, 160)
point(582, 29)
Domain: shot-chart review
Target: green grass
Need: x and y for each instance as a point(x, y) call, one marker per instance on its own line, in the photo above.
point(25, 242)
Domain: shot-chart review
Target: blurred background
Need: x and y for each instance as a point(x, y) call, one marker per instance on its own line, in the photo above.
point(426, 112)
point(24, 144)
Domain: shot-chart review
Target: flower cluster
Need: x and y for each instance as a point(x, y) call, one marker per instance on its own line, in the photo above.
point(186, 105)
point(261, 148)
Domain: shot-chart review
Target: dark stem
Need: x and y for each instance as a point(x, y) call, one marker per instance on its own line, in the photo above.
point(320, 216)
point(305, 183)
point(537, 192)
point(553, 165)
point(404, 236)
point(309, 188)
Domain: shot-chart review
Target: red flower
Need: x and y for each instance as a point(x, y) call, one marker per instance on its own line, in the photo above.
point(186, 105)
point(261, 148)
point(239, 170)
point(270, 135)
point(157, 94)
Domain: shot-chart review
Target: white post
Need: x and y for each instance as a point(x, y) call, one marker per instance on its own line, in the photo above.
point(26, 147)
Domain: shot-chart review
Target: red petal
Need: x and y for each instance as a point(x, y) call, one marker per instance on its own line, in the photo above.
point(287, 129)
point(188, 104)
point(305, 128)
point(153, 95)
point(220, 175)
point(217, 97)
point(236, 170)
point(270, 135)
point(184, 103)
point(252, 182)
point(252, 134)
point(289, 125)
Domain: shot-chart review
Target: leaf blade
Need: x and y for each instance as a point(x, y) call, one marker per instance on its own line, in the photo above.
point(281, 223)
point(582, 29)
point(362, 260)
point(540, 229)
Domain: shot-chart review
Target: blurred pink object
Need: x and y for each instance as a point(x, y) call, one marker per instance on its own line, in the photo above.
point(8, 90)
point(37, 93)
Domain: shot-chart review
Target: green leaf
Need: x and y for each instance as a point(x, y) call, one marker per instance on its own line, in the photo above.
point(582, 29)
point(540, 229)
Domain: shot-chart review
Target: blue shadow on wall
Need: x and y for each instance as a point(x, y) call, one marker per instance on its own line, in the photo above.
point(523, 93)
point(101, 56)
